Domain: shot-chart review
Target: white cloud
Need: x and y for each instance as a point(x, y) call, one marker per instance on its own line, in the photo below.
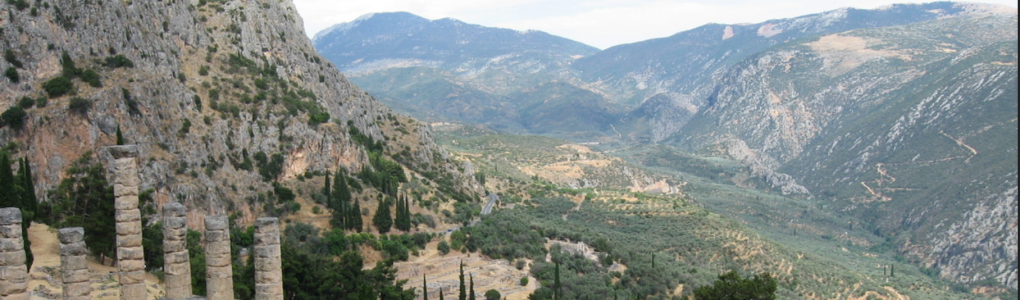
point(600, 23)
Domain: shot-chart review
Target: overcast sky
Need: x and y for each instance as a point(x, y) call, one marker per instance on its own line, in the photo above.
point(600, 23)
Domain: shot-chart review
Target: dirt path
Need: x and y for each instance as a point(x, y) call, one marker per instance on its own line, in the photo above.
point(45, 271)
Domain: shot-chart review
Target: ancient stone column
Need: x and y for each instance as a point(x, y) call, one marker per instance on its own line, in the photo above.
point(73, 264)
point(219, 273)
point(13, 272)
point(130, 257)
point(176, 262)
point(268, 271)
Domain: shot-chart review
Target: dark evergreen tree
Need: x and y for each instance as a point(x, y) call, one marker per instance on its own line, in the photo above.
point(471, 294)
point(383, 220)
point(463, 288)
point(424, 288)
point(355, 216)
point(28, 205)
point(84, 198)
point(120, 136)
point(326, 190)
point(556, 283)
point(8, 193)
point(29, 202)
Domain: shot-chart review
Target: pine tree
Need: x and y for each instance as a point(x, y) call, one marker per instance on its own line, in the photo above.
point(472, 294)
point(463, 289)
point(383, 219)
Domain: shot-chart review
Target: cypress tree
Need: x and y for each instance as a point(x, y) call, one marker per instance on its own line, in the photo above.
point(472, 294)
point(892, 270)
point(463, 289)
point(424, 288)
point(440, 293)
point(398, 221)
point(355, 216)
point(29, 202)
point(383, 220)
point(120, 136)
point(8, 193)
point(26, 195)
point(556, 283)
point(326, 190)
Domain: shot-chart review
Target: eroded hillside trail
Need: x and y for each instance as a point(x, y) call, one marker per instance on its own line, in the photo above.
point(580, 200)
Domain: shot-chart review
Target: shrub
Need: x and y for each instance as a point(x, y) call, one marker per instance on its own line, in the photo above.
point(261, 84)
point(91, 77)
point(524, 280)
point(11, 58)
point(492, 295)
point(14, 116)
point(318, 118)
point(732, 286)
point(80, 105)
point(444, 247)
point(119, 61)
point(58, 86)
point(12, 74)
point(42, 102)
point(26, 102)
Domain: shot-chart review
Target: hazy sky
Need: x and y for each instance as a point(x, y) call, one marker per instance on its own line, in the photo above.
point(600, 23)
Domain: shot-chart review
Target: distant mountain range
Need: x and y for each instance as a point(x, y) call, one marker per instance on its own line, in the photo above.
point(904, 116)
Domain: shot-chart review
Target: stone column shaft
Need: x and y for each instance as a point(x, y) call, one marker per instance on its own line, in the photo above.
point(176, 261)
point(219, 272)
point(130, 257)
point(268, 269)
point(73, 264)
point(13, 272)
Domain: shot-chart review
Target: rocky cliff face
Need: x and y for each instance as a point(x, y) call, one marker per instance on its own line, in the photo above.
point(212, 84)
point(911, 128)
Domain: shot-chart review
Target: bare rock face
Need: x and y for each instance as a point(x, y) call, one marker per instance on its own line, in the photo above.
point(268, 267)
point(219, 273)
point(130, 256)
point(75, 273)
point(176, 263)
point(13, 272)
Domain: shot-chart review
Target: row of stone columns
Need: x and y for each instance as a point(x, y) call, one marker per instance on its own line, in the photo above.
point(130, 258)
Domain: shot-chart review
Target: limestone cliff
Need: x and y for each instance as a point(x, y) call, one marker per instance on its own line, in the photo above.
point(203, 88)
